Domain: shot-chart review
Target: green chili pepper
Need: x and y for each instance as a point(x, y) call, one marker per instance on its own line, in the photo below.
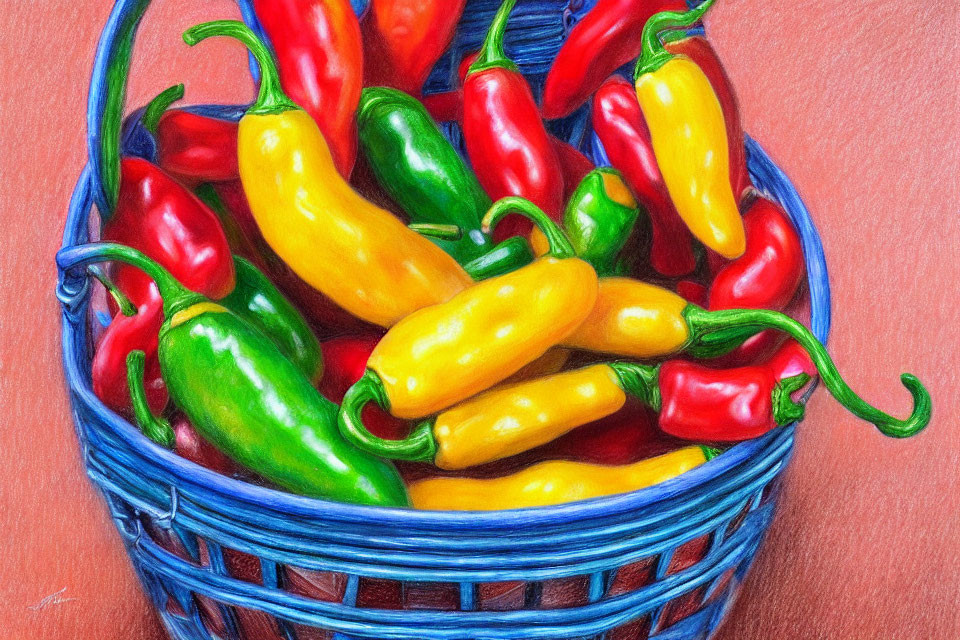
point(599, 219)
point(250, 401)
point(258, 301)
point(509, 255)
point(420, 169)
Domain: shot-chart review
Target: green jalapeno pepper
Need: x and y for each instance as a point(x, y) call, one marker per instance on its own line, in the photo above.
point(250, 401)
point(419, 168)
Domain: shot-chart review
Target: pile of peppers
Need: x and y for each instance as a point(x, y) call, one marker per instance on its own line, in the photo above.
point(329, 298)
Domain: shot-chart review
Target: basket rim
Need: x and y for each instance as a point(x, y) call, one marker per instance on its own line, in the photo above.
point(188, 472)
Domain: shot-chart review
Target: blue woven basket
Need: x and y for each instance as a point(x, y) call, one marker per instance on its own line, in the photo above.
point(224, 559)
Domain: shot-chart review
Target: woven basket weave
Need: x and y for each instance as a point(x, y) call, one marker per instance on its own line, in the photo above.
point(223, 559)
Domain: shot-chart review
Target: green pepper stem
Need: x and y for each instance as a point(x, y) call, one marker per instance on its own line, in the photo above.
point(492, 53)
point(506, 256)
point(154, 427)
point(419, 446)
point(159, 105)
point(126, 307)
point(653, 55)
point(440, 231)
point(710, 452)
point(175, 296)
point(560, 246)
point(785, 410)
point(702, 323)
point(271, 98)
point(639, 380)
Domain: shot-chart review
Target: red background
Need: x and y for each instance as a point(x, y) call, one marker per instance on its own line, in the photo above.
point(856, 99)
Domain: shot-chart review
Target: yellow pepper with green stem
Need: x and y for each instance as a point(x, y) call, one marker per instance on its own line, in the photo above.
point(361, 256)
point(689, 136)
point(444, 354)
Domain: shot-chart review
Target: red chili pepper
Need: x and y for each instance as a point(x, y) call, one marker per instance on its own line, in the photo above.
point(109, 367)
point(692, 292)
point(163, 219)
point(728, 405)
point(319, 53)
point(403, 39)
point(196, 149)
point(766, 276)
point(506, 140)
point(191, 446)
point(446, 106)
point(345, 362)
point(604, 40)
point(325, 316)
point(618, 122)
point(698, 49)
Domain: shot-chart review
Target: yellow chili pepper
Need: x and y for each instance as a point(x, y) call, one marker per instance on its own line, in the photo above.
point(633, 318)
point(689, 136)
point(359, 255)
point(444, 354)
point(553, 482)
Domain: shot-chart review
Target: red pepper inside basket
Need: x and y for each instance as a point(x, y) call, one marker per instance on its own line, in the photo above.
point(619, 124)
point(195, 148)
point(508, 145)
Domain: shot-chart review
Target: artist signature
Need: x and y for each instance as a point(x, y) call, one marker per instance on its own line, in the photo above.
point(52, 599)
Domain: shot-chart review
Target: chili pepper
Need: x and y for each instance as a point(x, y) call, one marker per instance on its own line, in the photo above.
point(618, 123)
point(371, 264)
point(109, 366)
point(506, 141)
point(322, 312)
point(345, 360)
point(504, 257)
point(554, 482)
point(403, 39)
point(445, 354)
point(320, 57)
point(600, 43)
point(420, 170)
point(247, 399)
point(549, 363)
point(599, 219)
point(689, 136)
point(699, 50)
point(766, 276)
point(257, 301)
point(660, 322)
point(191, 446)
point(158, 216)
point(447, 106)
point(574, 166)
point(694, 292)
point(195, 148)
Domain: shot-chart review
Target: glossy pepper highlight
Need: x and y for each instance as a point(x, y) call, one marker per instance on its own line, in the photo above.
point(619, 125)
point(403, 39)
point(371, 264)
point(605, 39)
point(247, 399)
point(554, 482)
point(320, 56)
point(689, 136)
point(442, 355)
point(506, 141)
point(195, 148)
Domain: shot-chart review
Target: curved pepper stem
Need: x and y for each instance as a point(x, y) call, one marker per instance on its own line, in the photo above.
point(123, 302)
point(639, 380)
point(155, 428)
point(702, 323)
point(419, 446)
point(492, 53)
point(560, 246)
point(175, 296)
point(271, 98)
point(653, 55)
point(159, 105)
point(785, 410)
point(439, 231)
